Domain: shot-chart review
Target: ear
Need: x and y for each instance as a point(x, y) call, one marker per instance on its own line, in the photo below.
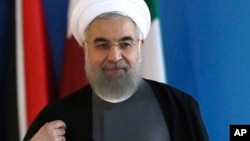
point(84, 46)
point(141, 44)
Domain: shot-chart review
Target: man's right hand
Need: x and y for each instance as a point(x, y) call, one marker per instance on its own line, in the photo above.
point(51, 131)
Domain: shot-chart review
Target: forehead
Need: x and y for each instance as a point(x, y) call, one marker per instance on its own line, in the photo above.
point(111, 28)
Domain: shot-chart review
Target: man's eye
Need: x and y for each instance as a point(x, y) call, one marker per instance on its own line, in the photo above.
point(102, 46)
point(125, 45)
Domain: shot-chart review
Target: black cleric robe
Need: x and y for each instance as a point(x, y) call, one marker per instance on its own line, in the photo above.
point(181, 113)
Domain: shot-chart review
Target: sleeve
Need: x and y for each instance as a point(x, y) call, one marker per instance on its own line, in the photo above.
point(181, 112)
point(195, 120)
point(43, 117)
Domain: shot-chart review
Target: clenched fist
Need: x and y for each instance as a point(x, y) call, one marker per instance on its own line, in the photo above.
point(51, 131)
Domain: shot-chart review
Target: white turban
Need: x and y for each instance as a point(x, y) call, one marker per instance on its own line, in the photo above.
point(86, 11)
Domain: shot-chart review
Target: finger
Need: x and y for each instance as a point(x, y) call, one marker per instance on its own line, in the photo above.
point(63, 139)
point(59, 132)
point(60, 138)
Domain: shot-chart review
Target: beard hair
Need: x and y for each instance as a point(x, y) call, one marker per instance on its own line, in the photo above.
point(116, 87)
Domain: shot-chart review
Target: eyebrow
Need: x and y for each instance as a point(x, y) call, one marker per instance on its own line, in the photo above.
point(99, 39)
point(125, 38)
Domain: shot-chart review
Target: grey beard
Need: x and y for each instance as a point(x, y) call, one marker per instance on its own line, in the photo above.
point(114, 88)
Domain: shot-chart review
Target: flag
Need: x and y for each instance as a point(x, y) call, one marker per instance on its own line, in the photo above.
point(67, 55)
point(73, 72)
point(35, 49)
point(35, 78)
point(153, 57)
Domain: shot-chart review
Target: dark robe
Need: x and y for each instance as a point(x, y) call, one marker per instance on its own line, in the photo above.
point(180, 110)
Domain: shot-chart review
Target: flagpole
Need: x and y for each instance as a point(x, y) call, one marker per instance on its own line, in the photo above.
point(21, 98)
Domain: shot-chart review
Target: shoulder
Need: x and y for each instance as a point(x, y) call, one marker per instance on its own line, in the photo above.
point(170, 93)
point(181, 111)
point(71, 103)
point(70, 109)
point(75, 97)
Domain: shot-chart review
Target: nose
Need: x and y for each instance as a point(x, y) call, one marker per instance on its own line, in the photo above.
point(114, 54)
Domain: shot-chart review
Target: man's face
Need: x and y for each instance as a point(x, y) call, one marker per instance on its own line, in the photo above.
point(113, 60)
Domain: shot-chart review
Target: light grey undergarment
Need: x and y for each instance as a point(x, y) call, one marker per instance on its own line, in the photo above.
point(137, 119)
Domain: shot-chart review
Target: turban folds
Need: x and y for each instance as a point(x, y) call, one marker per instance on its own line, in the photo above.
point(86, 11)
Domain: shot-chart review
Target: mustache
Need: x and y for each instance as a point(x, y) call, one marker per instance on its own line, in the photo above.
point(115, 65)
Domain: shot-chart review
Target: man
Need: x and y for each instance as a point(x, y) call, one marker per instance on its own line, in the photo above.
point(118, 105)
